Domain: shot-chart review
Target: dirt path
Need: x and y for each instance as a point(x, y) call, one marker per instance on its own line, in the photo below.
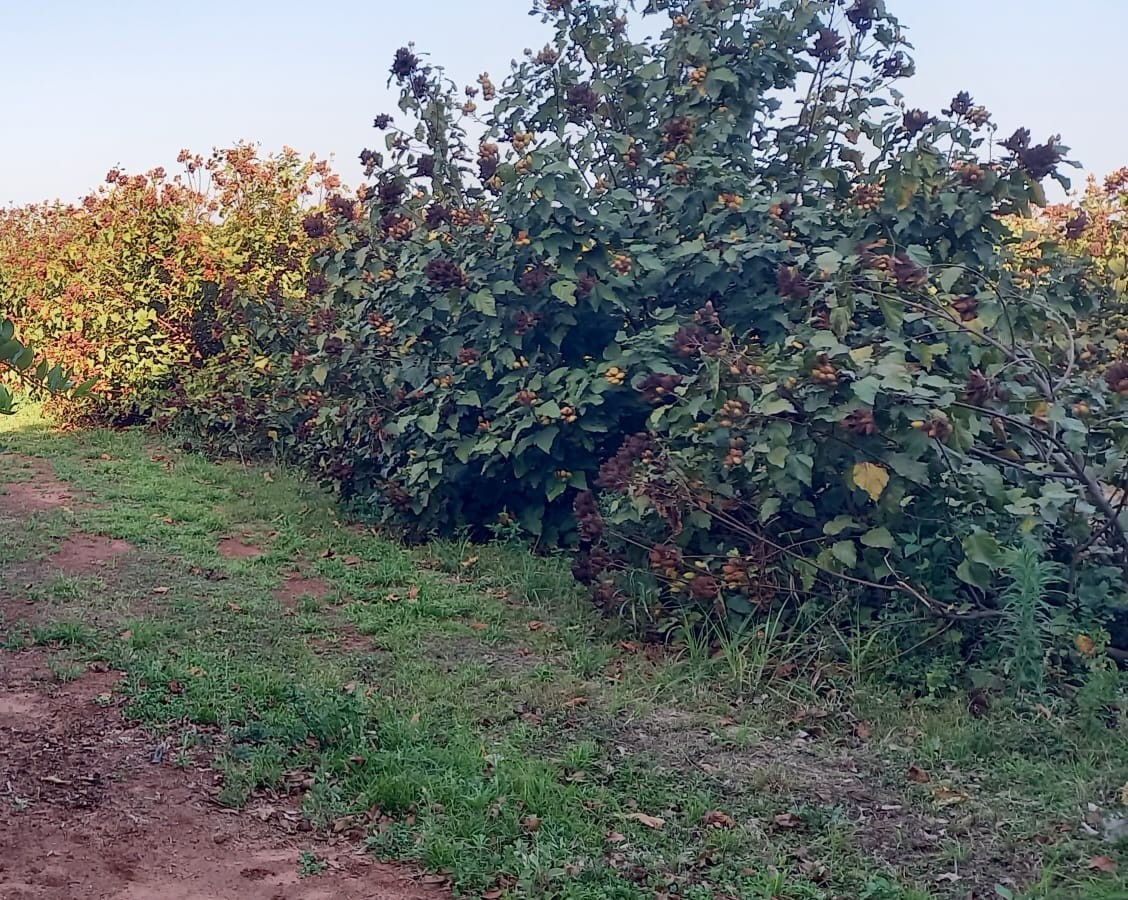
point(92, 806)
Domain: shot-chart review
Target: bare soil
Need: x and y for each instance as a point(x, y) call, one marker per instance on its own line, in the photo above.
point(90, 807)
point(297, 586)
point(86, 554)
point(239, 548)
point(93, 806)
point(42, 493)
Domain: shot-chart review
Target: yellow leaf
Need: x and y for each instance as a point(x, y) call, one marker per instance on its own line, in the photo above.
point(871, 478)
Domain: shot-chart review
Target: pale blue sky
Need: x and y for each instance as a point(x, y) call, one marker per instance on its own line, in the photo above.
point(87, 85)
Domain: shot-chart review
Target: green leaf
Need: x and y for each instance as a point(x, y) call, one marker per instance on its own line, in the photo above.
point(948, 278)
point(484, 302)
point(846, 552)
point(974, 574)
point(320, 373)
point(838, 524)
point(774, 406)
point(984, 549)
point(893, 312)
point(545, 437)
point(769, 508)
point(564, 291)
point(878, 537)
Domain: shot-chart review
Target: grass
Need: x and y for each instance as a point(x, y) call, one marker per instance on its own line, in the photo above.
point(462, 708)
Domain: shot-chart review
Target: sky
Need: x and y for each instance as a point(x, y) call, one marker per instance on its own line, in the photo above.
point(86, 86)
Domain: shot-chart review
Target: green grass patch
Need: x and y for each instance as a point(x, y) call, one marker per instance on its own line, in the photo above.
point(463, 708)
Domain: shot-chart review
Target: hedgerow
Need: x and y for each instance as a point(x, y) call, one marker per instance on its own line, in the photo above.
point(715, 308)
point(720, 309)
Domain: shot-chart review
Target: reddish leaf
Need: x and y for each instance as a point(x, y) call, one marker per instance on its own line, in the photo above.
point(717, 819)
point(787, 820)
point(917, 774)
point(1103, 864)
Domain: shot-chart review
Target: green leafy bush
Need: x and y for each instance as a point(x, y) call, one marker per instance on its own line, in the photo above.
point(715, 307)
point(21, 371)
point(719, 308)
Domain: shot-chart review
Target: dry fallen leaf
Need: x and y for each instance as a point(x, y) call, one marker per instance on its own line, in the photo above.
point(536, 626)
point(126, 635)
point(945, 797)
point(614, 837)
point(160, 590)
point(479, 626)
point(353, 560)
point(469, 561)
point(863, 730)
point(531, 823)
point(267, 477)
point(1103, 864)
point(576, 701)
point(917, 774)
point(717, 819)
point(649, 821)
point(1124, 795)
point(413, 593)
point(787, 820)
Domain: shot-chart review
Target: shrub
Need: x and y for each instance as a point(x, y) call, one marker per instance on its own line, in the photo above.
point(720, 309)
point(22, 371)
point(115, 288)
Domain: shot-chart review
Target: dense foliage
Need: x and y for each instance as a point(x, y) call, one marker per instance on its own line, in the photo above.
point(715, 307)
point(121, 287)
point(739, 355)
point(22, 371)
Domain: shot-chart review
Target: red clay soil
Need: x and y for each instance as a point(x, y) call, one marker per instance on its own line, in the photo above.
point(238, 548)
point(86, 812)
point(83, 554)
point(296, 586)
point(42, 493)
